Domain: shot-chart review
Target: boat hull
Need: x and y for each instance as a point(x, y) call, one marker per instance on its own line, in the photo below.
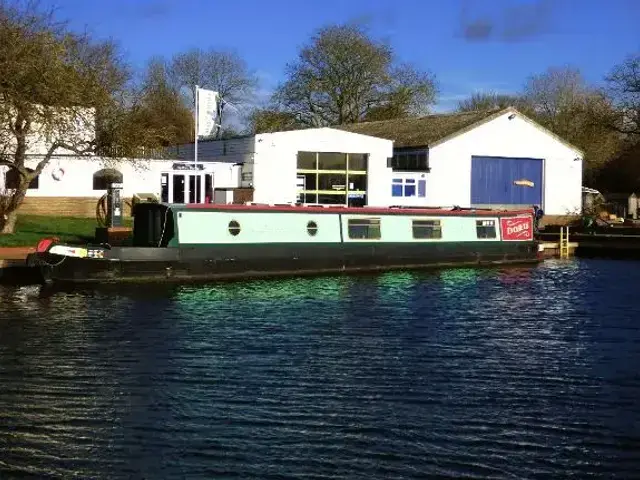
point(227, 262)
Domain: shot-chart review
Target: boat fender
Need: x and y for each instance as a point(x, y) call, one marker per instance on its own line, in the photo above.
point(45, 244)
point(57, 174)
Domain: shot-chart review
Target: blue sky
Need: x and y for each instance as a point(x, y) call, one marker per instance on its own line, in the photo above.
point(468, 44)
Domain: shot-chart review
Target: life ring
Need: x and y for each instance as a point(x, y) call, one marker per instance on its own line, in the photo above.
point(57, 174)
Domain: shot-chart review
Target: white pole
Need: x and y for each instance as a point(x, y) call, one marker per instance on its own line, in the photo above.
point(195, 149)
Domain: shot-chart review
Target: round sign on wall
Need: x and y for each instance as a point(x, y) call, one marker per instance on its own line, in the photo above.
point(57, 174)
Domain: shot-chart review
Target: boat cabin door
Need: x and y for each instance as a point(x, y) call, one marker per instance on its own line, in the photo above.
point(186, 187)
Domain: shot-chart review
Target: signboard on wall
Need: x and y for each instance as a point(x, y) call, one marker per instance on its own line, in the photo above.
point(187, 166)
point(517, 228)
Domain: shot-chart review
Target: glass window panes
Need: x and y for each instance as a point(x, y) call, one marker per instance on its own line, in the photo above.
point(486, 228)
point(408, 187)
point(357, 200)
point(310, 181)
point(357, 182)
point(364, 228)
point(358, 161)
point(332, 161)
point(11, 179)
point(234, 228)
point(326, 177)
point(309, 198)
point(410, 161)
point(427, 229)
point(326, 199)
point(332, 181)
point(396, 187)
point(422, 188)
point(307, 160)
point(312, 228)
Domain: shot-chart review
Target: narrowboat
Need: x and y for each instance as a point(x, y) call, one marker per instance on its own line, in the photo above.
point(190, 242)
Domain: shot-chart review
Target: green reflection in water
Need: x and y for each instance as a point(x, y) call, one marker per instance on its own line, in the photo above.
point(316, 288)
point(459, 277)
point(393, 285)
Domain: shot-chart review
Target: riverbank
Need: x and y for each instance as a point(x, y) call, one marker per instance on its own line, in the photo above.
point(30, 229)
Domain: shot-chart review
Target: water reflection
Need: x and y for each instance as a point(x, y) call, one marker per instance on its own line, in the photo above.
point(515, 372)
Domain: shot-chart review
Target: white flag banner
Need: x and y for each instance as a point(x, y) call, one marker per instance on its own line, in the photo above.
point(207, 112)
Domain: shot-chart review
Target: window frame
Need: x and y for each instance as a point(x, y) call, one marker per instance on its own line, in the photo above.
point(317, 181)
point(231, 228)
point(418, 185)
point(430, 228)
point(371, 224)
point(482, 230)
point(312, 228)
point(410, 160)
point(12, 179)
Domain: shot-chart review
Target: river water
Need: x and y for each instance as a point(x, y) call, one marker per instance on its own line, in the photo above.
point(529, 372)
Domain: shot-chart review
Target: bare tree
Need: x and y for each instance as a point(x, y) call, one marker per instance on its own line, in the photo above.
point(490, 101)
point(345, 76)
point(623, 85)
point(56, 89)
point(555, 91)
point(561, 100)
point(263, 120)
point(222, 71)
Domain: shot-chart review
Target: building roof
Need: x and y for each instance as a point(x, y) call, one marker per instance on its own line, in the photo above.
point(430, 130)
point(421, 131)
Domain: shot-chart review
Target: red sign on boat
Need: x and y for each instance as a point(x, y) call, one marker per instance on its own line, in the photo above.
point(517, 228)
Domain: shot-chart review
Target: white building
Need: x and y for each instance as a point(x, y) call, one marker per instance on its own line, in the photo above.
point(317, 165)
point(72, 185)
point(480, 159)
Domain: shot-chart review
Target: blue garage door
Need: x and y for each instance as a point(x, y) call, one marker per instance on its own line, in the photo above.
point(506, 181)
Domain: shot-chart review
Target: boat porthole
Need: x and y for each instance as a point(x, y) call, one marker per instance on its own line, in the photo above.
point(312, 228)
point(234, 228)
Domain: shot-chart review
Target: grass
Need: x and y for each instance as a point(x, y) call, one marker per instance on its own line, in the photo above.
point(30, 229)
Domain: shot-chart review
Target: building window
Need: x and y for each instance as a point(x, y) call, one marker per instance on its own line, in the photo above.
point(312, 228)
point(427, 229)
point(12, 180)
point(364, 228)
point(408, 187)
point(307, 161)
point(332, 178)
point(410, 161)
point(309, 198)
point(486, 228)
point(234, 228)
point(332, 161)
point(102, 178)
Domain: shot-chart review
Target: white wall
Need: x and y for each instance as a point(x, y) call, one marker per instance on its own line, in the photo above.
point(139, 176)
point(449, 182)
point(275, 161)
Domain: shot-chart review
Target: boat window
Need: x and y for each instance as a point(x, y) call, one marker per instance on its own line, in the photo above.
point(427, 229)
point(234, 228)
point(364, 228)
point(312, 228)
point(486, 228)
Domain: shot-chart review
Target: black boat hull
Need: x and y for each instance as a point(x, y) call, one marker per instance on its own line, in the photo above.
point(227, 262)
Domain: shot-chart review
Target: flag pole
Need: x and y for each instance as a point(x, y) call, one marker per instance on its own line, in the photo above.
point(195, 149)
